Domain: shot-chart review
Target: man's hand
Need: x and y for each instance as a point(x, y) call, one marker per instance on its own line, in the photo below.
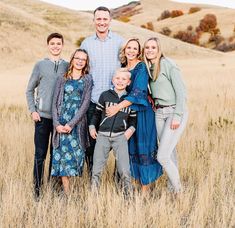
point(93, 133)
point(35, 116)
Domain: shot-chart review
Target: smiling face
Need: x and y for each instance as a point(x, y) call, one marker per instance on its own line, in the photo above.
point(121, 80)
point(55, 46)
point(151, 50)
point(102, 21)
point(132, 50)
point(79, 60)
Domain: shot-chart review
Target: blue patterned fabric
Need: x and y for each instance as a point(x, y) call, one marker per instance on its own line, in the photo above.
point(143, 143)
point(68, 158)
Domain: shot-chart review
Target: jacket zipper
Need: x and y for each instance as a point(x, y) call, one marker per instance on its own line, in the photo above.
point(112, 126)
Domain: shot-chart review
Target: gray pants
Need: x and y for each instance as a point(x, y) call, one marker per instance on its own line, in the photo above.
point(120, 147)
point(168, 139)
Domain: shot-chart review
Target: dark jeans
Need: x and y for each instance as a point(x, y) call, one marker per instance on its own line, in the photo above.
point(43, 133)
point(90, 150)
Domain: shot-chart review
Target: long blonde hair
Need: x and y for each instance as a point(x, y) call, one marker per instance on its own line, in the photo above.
point(85, 70)
point(156, 70)
point(122, 56)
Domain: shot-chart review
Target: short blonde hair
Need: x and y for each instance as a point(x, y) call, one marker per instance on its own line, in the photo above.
point(123, 70)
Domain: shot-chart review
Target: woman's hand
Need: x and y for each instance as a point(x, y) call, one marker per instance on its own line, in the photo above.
point(93, 133)
point(112, 110)
point(175, 124)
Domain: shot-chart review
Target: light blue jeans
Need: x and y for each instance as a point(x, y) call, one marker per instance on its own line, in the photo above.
point(168, 140)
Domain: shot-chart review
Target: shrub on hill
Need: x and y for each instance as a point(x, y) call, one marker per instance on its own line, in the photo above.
point(188, 36)
point(79, 41)
point(208, 23)
point(217, 39)
point(194, 10)
point(165, 14)
point(165, 31)
point(190, 28)
point(123, 19)
point(176, 13)
point(149, 26)
point(225, 47)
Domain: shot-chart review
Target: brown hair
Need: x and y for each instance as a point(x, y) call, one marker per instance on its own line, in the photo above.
point(157, 64)
point(55, 35)
point(122, 56)
point(101, 8)
point(85, 70)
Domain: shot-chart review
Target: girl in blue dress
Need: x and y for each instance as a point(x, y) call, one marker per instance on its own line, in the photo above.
point(70, 103)
point(143, 144)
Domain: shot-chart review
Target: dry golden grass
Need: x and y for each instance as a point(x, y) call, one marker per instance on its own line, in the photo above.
point(206, 160)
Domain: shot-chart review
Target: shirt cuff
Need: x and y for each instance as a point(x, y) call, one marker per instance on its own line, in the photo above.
point(177, 117)
point(131, 128)
point(91, 127)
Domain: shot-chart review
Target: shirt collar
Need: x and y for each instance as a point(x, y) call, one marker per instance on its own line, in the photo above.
point(119, 94)
point(109, 36)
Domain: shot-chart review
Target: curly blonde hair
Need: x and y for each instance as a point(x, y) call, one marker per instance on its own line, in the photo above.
point(122, 55)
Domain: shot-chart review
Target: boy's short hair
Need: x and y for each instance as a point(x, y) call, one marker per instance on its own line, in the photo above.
point(102, 8)
point(123, 70)
point(55, 35)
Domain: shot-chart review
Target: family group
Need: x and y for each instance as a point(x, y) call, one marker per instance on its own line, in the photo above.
point(112, 95)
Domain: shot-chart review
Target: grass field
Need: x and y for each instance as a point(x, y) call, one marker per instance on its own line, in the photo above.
point(206, 161)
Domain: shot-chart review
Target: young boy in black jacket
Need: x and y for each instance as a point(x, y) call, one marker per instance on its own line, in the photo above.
point(114, 131)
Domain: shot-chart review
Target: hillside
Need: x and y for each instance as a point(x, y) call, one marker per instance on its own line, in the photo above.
point(32, 21)
point(153, 9)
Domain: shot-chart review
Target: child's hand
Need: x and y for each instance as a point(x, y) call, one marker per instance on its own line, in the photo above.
point(128, 133)
point(67, 128)
point(93, 133)
point(60, 129)
point(35, 116)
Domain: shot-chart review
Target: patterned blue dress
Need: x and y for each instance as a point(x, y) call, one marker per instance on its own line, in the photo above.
point(143, 143)
point(68, 158)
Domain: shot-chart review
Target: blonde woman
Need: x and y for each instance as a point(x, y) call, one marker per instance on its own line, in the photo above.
point(143, 143)
point(169, 94)
point(71, 101)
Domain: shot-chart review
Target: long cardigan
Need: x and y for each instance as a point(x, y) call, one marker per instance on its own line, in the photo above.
point(79, 119)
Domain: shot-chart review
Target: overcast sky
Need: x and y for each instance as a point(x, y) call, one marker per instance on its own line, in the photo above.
point(224, 3)
point(88, 4)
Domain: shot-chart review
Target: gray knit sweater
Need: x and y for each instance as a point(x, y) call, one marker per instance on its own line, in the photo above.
point(40, 89)
point(79, 119)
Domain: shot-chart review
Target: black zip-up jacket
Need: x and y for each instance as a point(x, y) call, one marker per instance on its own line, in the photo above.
point(120, 122)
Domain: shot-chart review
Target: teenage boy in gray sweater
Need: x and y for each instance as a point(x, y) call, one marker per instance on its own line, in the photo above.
point(39, 95)
point(114, 131)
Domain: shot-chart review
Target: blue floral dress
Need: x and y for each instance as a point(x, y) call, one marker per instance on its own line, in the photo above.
point(143, 143)
point(68, 158)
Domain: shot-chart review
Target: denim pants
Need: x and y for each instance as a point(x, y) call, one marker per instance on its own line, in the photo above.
point(168, 140)
point(120, 148)
point(43, 133)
